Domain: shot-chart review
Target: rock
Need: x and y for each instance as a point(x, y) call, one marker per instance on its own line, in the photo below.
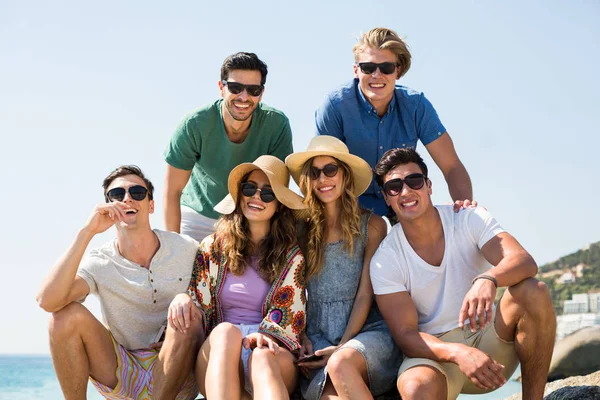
point(575, 387)
point(576, 354)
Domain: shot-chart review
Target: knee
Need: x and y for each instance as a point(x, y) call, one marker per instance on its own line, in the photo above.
point(532, 294)
point(66, 321)
point(224, 335)
point(343, 363)
point(417, 385)
point(263, 360)
point(192, 337)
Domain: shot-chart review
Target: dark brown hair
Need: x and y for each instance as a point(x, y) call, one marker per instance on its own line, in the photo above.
point(128, 170)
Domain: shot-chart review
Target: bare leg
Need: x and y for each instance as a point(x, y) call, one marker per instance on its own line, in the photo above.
point(347, 370)
point(525, 315)
point(273, 376)
point(81, 347)
point(218, 363)
point(176, 360)
point(422, 383)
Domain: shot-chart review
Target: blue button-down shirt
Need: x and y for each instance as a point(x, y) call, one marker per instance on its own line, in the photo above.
point(347, 115)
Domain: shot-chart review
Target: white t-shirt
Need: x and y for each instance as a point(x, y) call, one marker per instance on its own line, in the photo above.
point(436, 291)
point(135, 300)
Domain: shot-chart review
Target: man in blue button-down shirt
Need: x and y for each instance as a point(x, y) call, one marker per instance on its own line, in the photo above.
point(372, 115)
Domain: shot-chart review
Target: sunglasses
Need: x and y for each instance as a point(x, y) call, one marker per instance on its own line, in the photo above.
point(394, 187)
point(370, 67)
point(249, 189)
point(330, 170)
point(237, 88)
point(136, 192)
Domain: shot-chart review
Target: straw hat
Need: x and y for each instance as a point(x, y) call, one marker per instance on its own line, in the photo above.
point(278, 176)
point(333, 147)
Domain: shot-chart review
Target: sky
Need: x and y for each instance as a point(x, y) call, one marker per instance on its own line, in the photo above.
point(88, 86)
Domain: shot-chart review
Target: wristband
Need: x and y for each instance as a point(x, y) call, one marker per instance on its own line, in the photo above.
point(488, 277)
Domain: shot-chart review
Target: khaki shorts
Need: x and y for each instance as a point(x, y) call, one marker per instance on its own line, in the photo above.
point(486, 340)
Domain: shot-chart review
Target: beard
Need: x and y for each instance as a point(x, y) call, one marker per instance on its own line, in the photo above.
point(238, 116)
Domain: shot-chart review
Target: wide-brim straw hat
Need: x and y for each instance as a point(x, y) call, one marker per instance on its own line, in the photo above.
point(333, 147)
point(278, 176)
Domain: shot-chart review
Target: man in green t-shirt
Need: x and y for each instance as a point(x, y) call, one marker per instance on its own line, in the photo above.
point(211, 141)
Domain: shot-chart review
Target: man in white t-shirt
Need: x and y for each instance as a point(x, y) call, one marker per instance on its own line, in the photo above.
point(135, 276)
point(435, 278)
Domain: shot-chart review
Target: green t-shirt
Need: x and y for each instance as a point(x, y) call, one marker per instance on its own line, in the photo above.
point(201, 145)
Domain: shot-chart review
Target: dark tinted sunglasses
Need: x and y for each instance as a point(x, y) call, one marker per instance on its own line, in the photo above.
point(330, 170)
point(370, 67)
point(237, 88)
point(136, 192)
point(249, 189)
point(394, 187)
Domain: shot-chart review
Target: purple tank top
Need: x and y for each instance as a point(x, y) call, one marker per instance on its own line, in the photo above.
point(242, 297)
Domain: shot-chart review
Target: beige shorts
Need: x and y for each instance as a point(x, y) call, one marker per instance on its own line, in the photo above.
point(486, 340)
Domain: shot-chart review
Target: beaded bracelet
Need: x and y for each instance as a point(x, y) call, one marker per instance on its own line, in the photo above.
point(485, 276)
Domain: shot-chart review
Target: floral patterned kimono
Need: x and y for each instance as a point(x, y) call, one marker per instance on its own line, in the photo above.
point(283, 310)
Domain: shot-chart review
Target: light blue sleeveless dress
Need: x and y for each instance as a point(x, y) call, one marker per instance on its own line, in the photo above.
point(330, 299)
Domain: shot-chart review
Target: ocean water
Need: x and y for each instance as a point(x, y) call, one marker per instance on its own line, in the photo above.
point(33, 377)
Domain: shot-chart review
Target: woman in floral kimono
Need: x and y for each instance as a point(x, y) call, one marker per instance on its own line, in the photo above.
point(248, 288)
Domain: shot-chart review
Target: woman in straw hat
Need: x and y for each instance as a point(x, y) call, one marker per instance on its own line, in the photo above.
point(248, 286)
point(344, 325)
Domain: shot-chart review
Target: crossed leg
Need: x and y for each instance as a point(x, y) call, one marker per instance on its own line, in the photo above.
point(347, 376)
point(81, 347)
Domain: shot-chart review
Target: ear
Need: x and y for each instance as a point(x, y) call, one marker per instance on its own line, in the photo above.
point(151, 207)
point(221, 88)
point(429, 186)
point(399, 73)
point(385, 198)
point(356, 68)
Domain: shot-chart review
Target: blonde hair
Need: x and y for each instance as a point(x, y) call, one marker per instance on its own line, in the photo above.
point(350, 218)
point(231, 239)
point(385, 39)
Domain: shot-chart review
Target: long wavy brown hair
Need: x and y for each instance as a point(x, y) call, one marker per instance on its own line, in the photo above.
point(350, 218)
point(232, 240)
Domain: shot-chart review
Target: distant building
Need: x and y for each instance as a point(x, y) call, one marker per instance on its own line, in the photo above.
point(569, 323)
point(567, 277)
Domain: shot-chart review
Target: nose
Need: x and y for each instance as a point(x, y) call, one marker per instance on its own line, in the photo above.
point(127, 196)
point(377, 72)
point(243, 95)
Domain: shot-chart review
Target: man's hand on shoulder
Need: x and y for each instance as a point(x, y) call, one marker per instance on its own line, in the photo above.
point(105, 215)
point(464, 204)
point(477, 304)
point(482, 370)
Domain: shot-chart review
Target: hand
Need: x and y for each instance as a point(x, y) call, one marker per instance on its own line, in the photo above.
point(460, 204)
point(326, 353)
point(260, 340)
point(106, 215)
point(305, 349)
point(483, 370)
point(157, 345)
point(182, 311)
point(478, 302)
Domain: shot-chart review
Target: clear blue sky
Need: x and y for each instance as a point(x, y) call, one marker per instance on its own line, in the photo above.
point(87, 86)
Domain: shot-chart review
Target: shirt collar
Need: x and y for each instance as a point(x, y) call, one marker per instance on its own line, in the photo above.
point(367, 106)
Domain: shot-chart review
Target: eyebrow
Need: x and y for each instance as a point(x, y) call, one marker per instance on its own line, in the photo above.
point(268, 185)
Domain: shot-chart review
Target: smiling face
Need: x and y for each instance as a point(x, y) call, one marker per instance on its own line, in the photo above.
point(253, 207)
point(378, 88)
point(327, 189)
point(240, 106)
point(137, 213)
point(409, 204)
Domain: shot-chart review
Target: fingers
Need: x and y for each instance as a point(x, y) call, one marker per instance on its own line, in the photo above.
point(474, 203)
point(246, 343)
point(481, 317)
point(457, 205)
point(471, 313)
point(462, 316)
point(488, 312)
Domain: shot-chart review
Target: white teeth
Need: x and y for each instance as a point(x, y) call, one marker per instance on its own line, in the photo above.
point(409, 204)
point(255, 206)
point(242, 105)
point(131, 212)
point(377, 85)
point(325, 188)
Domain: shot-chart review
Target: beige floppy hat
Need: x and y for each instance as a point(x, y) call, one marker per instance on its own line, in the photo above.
point(278, 176)
point(333, 147)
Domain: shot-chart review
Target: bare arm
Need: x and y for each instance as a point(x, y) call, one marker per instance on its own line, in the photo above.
point(513, 264)
point(400, 315)
point(175, 181)
point(364, 297)
point(444, 155)
point(61, 286)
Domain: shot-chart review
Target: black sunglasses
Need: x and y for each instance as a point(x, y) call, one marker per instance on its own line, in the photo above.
point(330, 170)
point(136, 192)
point(394, 187)
point(249, 189)
point(370, 67)
point(237, 88)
